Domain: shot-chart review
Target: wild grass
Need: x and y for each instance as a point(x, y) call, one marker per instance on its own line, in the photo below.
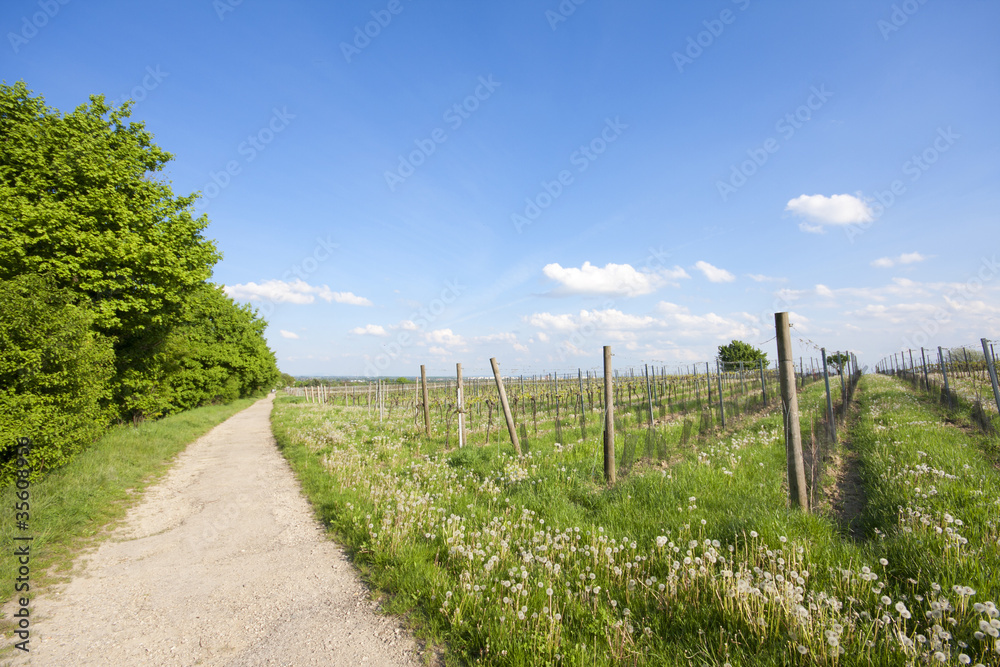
point(692, 558)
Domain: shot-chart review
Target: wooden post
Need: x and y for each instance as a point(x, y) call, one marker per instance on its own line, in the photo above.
point(506, 406)
point(763, 385)
point(722, 407)
point(708, 382)
point(649, 397)
point(790, 402)
point(609, 419)
point(843, 387)
point(944, 374)
point(427, 406)
point(460, 400)
point(829, 400)
point(991, 367)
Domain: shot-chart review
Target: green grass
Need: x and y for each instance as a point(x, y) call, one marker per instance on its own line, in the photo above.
point(603, 572)
point(75, 504)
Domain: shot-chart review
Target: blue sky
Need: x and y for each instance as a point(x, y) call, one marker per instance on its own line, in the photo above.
point(534, 180)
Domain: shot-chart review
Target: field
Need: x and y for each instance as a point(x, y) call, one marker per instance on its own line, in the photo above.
point(693, 556)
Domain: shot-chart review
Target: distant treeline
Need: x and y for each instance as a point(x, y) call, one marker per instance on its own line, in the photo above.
point(106, 309)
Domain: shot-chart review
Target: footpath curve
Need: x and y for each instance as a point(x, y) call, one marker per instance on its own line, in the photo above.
point(221, 563)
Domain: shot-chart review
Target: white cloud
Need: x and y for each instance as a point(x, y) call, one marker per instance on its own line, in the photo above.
point(714, 273)
point(604, 320)
point(911, 257)
point(611, 319)
point(819, 210)
point(508, 338)
point(289, 334)
point(445, 337)
point(617, 279)
point(761, 278)
point(369, 330)
point(342, 297)
point(905, 258)
point(542, 336)
point(299, 291)
point(682, 323)
point(550, 321)
point(408, 325)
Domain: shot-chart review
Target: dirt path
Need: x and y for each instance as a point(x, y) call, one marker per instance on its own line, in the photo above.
point(221, 564)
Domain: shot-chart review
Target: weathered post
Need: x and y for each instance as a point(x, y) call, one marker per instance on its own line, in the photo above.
point(829, 399)
point(460, 401)
point(763, 385)
point(843, 386)
point(649, 397)
point(944, 374)
point(722, 407)
point(708, 382)
point(923, 362)
point(427, 406)
point(988, 354)
point(790, 404)
point(609, 419)
point(506, 406)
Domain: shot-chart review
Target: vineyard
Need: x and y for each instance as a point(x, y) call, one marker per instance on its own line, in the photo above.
point(693, 555)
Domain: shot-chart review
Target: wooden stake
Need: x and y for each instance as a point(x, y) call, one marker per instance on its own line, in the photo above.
point(790, 402)
point(460, 400)
point(427, 407)
point(649, 397)
point(829, 400)
point(506, 406)
point(609, 419)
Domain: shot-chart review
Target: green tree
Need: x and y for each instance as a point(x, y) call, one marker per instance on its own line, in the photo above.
point(55, 373)
point(286, 380)
point(217, 353)
point(837, 361)
point(80, 202)
point(732, 354)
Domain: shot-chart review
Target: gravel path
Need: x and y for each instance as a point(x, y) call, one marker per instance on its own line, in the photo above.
point(222, 563)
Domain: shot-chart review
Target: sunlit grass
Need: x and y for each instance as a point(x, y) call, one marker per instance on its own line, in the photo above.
point(693, 557)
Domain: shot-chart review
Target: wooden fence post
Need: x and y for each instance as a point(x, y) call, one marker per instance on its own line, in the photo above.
point(944, 374)
point(722, 407)
point(506, 406)
point(649, 397)
point(460, 400)
point(427, 406)
point(991, 367)
point(609, 419)
point(790, 402)
point(763, 385)
point(829, 400)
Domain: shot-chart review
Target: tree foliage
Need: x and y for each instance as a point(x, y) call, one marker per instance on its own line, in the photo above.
point(732, 354)
point(120, 267)
point(217, 354)
point(838, 361)
point(55, 373)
